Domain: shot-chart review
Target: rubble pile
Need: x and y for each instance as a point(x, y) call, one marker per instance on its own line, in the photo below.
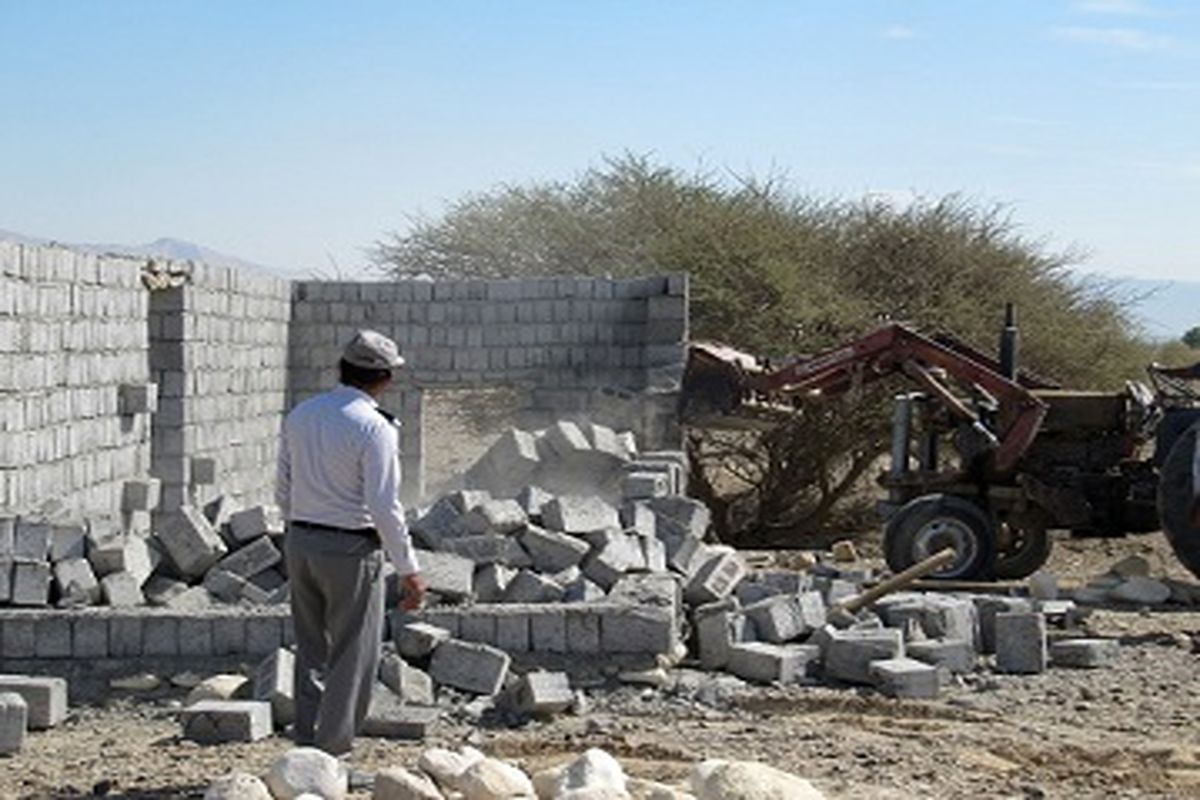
point(194, 557)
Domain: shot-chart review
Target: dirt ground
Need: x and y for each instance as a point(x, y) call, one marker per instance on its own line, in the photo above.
point(1128, 731)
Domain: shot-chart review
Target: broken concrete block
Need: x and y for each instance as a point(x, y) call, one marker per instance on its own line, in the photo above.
point(543, 693)
point(987, 607)
point(1021, 642)
point(14, 717)
point(76, 583)
point(716, 577)
point(718, 626)
point(1084, 653)
point(613, 554)
point(956, 655)
point(141, 495)
point(782, 618)
point(575, 514)
point(477, 668)
point(264, 520)
point(410, 684)
point(252, 559)
point(644, 485)
point(218, 721)
point(551, 551)
point(495, 516)
point(46, 698)
point(390, 718)
point(530, 587)
point(447, 574)
point(191, 542)
point(30, 583)
point(772, 663)
point(418, 640)
point(848, 654)
point(905, 677)
point(274, 682)
point(67, 541)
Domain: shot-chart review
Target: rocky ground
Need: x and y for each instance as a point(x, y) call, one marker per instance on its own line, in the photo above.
point(1127, 731)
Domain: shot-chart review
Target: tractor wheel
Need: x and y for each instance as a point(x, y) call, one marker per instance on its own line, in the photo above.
point(930, 523)
point(1029, 547)
point(1176, 499)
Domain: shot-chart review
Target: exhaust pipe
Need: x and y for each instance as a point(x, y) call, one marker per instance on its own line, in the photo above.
point(1008, 343)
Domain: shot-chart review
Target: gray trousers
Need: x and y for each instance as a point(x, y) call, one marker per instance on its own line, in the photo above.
point(337, 610)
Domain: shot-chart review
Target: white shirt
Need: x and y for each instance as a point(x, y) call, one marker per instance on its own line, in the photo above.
point(339, 465)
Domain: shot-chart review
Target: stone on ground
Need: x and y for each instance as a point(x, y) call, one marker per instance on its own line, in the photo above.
point(472, 667)
point(1084, 653)
point(237, 786)
point(1141, 590)
point(218, 721)
point(46, 698)
point(748, 780)
point(219, 687)
point(492, 779)
point(594, 770)
point(307, 770)
point(14, 722)
point(397, 783)
point(446, 767)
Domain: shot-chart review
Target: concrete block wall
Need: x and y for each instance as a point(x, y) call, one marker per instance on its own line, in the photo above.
point(609, 349)
point(219, 353)
point(72, 334)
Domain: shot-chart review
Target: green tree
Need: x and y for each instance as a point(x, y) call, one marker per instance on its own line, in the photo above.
point(776, 272)
point(1192, 338)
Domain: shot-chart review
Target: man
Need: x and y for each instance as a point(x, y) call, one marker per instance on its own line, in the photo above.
point(338, 483)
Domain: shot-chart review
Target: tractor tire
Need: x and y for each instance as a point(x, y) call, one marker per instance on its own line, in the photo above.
point(925, 525)
point(1176, 496)
point(1032, 549)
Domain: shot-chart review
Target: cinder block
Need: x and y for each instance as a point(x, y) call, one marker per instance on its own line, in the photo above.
point(18, 638)
point(116, 551)
point(508, 464)
point(137, 398)
point(30, 583)
point(89, 637)
point(583, 630)
point(14, 719)
point(956, 655)
point(552, 551)
point(229, 635)
point(626, 629)
point(257, 521)
point(274, 681)
point(512, 630)
point(543, 693)
point(194, 598)
point(531, 499)
point(530, 587)
point(53, 634)
point(785, 617)
point(848, 654)
point(252, 559)
point(572, 514)
point(195, 636)
point(644, 485)
point(191, 542)
point(31, 540)
point(389, 717)
point(8, 529)
point(495, 516)
point(418, 640)
point(67, 541)
point(718, 626)
point(76, 583)
point(987, 607)
point(264, 634)
point(715, 578)
point(477, 625)
point(219, 721)
point(410, 684)
point(121, 589)
point(613, 554)
point(46, 698)
point(6, 580)
point(548, 630)
point(1021, 642)
point(446, 574)
point(160, 636)
point(141, 495)
point(763, 662)
point(1084, 653)
point(471, 667)
point(905, 677)
point(125, 636)
point(203, 472)
point(488, 548)
point(491, 580)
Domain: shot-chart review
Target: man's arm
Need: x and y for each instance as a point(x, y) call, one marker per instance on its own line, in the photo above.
point(381, 487)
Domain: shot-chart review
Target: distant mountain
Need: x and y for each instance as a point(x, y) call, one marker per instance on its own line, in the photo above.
point(1166, 308)
point(175, 249)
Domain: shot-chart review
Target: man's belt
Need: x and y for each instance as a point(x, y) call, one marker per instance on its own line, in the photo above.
point(370, 533)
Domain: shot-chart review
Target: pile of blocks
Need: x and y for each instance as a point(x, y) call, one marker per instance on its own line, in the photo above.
point(193, 558)
point(29, 703)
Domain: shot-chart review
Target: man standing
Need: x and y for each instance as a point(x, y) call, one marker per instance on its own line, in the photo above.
point(338, 483)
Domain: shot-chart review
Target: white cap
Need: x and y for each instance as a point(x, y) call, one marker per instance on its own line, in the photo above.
point(372, 350)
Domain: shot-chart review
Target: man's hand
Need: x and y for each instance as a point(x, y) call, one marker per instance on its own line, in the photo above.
point(412, 591)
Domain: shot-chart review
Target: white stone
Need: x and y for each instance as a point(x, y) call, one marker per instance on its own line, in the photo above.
point(492, 779)
point(139, 682)
point(748, 780)
point(592, 770)
point(218, 687)
point(446, 766)
point(397, 783)
point(237, 786)
point(307, 769)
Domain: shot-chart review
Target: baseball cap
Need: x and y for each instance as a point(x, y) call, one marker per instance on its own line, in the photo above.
point(372, 350)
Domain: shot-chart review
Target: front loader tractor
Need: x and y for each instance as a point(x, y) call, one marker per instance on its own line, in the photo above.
point(986, 458)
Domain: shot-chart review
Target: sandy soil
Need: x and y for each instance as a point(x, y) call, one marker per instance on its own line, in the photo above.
point(1129, 731)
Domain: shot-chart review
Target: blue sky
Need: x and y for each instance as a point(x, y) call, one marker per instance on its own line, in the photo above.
point(296, 133)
